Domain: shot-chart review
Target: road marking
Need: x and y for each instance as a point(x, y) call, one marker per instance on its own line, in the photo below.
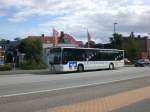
point(71, 87)
point(108, 103)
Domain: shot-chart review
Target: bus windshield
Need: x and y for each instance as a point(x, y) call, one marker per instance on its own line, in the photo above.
point(55, 56)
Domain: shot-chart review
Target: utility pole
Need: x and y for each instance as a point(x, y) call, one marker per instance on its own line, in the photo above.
point(115, 27)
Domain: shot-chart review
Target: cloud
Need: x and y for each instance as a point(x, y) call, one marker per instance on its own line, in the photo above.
point(75, 16)
point(2, 13)
point(16, 3)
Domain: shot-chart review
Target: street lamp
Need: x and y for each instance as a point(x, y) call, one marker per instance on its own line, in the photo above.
point(115, 27)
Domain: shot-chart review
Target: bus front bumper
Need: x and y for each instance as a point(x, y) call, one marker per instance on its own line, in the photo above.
point(61, 68)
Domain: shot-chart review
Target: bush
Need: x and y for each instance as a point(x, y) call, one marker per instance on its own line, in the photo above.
point(5, 67)
point(32, 66)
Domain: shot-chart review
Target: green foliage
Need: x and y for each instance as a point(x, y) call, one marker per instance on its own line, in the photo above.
point(102, 46)
point(32, 49)
point(33, 54)
point(8, 57)
point(5, 67)
point(132, 49)
point(17, 39)
point(4, 41)
point(116, 41)
point(32, 65)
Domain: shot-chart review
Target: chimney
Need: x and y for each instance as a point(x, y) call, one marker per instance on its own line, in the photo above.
point(42, 35)
point(61, 34)
point(42, 38)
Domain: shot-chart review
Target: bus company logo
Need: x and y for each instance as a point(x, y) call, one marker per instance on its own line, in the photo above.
point(72, 64)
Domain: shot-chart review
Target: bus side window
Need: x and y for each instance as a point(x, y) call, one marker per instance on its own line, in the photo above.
point(65, 57)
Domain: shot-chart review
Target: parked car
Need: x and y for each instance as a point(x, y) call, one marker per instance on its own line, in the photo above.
point(142, 62)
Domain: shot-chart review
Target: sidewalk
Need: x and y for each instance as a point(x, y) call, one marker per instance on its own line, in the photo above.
point(109, 103)
point(43, 71)
point(17, 71)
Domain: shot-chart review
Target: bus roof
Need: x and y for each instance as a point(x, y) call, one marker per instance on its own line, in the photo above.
point(91, 48)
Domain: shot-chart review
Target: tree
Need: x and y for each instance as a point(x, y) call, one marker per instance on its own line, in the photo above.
point(17, 39)
point(8, 57)
point(99, 45)
point(132, 49)
point(4, 41)
point(116, 41)
point(32, 49)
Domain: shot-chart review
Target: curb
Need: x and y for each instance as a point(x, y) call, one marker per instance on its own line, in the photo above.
point(14, 72)
point(129, 65)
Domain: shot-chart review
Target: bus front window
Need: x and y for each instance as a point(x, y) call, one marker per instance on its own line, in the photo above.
point(55, 56)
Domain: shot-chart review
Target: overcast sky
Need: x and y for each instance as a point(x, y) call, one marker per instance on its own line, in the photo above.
point(20, 18)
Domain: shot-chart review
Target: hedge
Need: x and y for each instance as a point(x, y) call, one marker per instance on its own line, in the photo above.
point(5, 67)
point(33, 66)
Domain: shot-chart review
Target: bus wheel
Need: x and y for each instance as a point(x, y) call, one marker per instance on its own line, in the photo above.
point(80, 68)
point(111, 66)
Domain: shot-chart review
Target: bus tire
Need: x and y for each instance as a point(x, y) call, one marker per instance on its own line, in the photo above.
point(111, 66)
point(80, 68)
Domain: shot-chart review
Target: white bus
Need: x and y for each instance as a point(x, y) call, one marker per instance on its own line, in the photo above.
point(65, 59)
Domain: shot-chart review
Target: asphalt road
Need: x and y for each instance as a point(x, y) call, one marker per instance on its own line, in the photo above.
point(34, 92)
point(24, 84)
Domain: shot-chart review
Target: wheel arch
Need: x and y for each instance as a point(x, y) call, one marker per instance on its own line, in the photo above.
point(111, 63)
point(80, 64)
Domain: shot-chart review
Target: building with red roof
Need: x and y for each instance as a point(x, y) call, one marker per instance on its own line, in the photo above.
point(64, 38)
